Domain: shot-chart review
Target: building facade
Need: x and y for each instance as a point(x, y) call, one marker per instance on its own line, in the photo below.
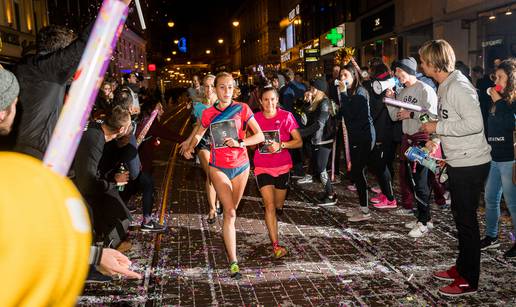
point(20, 20)
point(479, 31)
point(255, 39)
point(129, 56)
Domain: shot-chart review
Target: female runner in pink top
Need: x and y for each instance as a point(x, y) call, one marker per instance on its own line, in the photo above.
point(272, 162)
point(229, 163)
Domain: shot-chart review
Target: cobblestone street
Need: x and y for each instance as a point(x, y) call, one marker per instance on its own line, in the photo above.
point(330, 261)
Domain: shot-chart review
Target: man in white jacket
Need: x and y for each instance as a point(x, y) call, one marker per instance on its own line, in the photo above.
point(461, 131)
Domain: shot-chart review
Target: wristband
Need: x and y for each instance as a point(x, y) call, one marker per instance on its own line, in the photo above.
point(242, 144)
point(282, 145)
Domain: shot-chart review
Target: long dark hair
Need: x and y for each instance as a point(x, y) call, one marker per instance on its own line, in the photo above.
point(357, 79)
point(509, 67)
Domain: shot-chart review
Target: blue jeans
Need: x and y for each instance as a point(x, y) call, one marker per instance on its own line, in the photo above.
point(498, 181)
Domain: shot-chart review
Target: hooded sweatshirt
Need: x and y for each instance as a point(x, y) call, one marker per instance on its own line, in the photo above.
point(420, 94)
point(460, 125)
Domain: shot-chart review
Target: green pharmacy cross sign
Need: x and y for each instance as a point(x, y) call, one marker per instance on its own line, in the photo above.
point(334, 36)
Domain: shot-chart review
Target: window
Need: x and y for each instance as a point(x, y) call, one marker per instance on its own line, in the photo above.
point(17, 14)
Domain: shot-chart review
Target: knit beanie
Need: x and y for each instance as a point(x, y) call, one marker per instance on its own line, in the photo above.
point(9, 88)
point(409, 65)
point(319, 84)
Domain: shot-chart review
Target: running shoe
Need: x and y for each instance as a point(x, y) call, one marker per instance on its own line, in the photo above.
point(152, 226)
point(385, 203)
point(306, 179)
point(279, 251)
point(376, 190)
point(361, 216)
point(412, 224)
point(489, 242)
point(419, 231)
point(352, 187)
point(235, 270)
point(458, 287)
point(378, 198)
point(449, 275)
point(329, 200)
point(510, 253)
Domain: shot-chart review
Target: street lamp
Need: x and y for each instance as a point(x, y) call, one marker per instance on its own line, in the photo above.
point(174, 52)
point(236, 23)
point(220, 41)
point(208, 51)
point(171, 24)
point(169, 59)
point(176, 41)
point(188, 62)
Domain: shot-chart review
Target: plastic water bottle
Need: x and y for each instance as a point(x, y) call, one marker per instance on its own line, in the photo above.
point(121, 170)
point(421, 156)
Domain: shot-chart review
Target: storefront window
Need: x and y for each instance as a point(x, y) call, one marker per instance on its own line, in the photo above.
point(385, 48)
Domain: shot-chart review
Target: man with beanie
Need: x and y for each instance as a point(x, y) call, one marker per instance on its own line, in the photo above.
point(420, 94)
point(9, 90)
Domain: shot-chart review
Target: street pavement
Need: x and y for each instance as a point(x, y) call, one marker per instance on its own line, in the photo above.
point(331, 262)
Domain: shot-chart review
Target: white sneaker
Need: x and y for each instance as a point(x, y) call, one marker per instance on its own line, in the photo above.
point(353, 212)
point(361, 216)
point(411, 225)
point(306, 179)
point(418, 231)
point(447, 196)
point(404, 212)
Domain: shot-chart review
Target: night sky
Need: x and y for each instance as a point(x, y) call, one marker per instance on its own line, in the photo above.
point(200, 22)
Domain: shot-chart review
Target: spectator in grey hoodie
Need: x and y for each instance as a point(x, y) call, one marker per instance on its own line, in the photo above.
point(421, 94)
point(461, 131)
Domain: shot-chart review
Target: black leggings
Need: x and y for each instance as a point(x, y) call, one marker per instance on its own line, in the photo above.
point(360, 153)
point(378, 163)
point(320, 157)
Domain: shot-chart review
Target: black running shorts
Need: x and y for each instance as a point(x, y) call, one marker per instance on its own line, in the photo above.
point(281, 182)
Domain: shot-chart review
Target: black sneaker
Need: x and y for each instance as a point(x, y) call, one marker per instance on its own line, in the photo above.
point(488, 243)
point(152, 226)
point(328, 200)
point(95, 276)
point(511, 253)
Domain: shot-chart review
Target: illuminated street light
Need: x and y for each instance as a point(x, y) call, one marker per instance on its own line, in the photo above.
point(171, 24)
point(174, 52)
point(236, 23)
point(169, 59)
point(188, 62)
point(208, 51)
point(220, 41)
point(176, 41)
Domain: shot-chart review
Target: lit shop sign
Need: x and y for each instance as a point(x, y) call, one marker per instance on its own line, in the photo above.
point(378, 24)
point(312, 55)
point(327, 39)
point(285, 57)
point(336, 36)
point(293, 13)
point(495, 42)
point(181, 45)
